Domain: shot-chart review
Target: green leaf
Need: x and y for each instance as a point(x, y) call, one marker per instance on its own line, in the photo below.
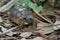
point(32, 5)
point(21, 1)
point(15, 6)
point(41, 0)
point(39, 9)
point(52, 13)
point(24, 1)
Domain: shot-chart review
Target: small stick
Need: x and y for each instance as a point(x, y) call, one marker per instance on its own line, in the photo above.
point(43, 17)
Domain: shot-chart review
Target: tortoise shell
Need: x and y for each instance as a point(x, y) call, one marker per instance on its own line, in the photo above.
point(25, 17)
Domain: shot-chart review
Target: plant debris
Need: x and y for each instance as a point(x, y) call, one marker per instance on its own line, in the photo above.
point(30, 20)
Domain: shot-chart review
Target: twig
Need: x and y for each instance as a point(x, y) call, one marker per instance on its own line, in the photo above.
point(43, 17)
point(43, 35)
point(51, 25)
point(9, 30)
point(39, 21)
